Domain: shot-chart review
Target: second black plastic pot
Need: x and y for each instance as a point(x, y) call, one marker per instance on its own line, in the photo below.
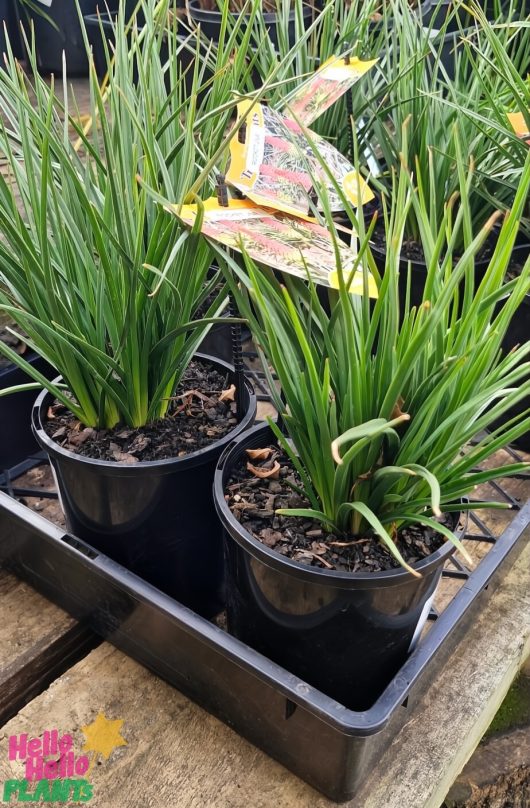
point(517, 334)
point(210, 22)
point(100, 27)
point(156, 518)
point(5, 19)
point(66, 36)
point(347, 634)
point(418, 273)
point(15, 413)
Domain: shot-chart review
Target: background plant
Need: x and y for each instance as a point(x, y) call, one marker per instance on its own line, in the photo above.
point(500, 57)
point(103, 280)
point(399, 395)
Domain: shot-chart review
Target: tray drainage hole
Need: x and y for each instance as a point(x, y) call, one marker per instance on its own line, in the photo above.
point(79, 546)
point(290, 707)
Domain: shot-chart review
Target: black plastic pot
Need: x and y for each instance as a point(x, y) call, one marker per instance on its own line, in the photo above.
point(156, 518)
point(5, 19)
point(67, 36)
point(101, 26)
point(517, 334)
point(436, 12)
point(218, 342)
point(210, 22)
point(15, 414)
point(8, 16)
point(346, 634)
point(461, 25)
point(418, 273)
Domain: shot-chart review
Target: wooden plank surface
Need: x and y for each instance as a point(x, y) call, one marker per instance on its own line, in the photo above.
point(38, 641)
point(179, 756)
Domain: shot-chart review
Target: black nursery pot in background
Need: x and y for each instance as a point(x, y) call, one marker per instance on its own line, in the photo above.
point(67, 36)
point(8, 18)
point(100, 29)
point(210, 22)
point(156, 518)
point(418, 273)
point(18, 441)
point(517, 334)
point(347, 634)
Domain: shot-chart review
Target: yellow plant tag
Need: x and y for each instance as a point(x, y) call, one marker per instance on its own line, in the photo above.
point(519, 125)
point(334, 78)
point(296, 246)
point(273, 163)
point(353, 185)
point(267, 164)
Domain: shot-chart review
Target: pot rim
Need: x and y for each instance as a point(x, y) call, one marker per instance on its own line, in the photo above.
point(287, 565)
point(113, 467)
point(203, 15)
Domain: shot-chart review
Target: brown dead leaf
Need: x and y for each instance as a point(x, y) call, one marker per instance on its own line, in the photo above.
point(54, 410)
point(139, 444)
point(324, 562)
point(78, 438)
point(348, 543)
point(319, 548)
point(190, 394)
point(228, 395)
point(397, 412)
point(125, 457)
point(265, 474)
point(270, 537)
point(259, 454)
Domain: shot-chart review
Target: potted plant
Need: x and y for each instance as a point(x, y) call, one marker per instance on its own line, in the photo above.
point(421, 121)
point(379, 413)
point(507, 109)
point(106, 286)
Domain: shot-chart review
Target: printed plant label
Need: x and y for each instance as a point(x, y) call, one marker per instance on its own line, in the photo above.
point(273, 164)
point(519, 125)
point(334, 78)
point(289, 244)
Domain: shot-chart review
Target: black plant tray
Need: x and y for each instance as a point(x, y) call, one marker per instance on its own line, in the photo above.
point(324, 743)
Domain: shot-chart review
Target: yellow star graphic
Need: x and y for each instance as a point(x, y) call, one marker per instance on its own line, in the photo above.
point(103, 736)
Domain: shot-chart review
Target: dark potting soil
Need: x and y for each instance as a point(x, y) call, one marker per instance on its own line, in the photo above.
point(253, 501)
point(413, 251)
point(514, 270)
point(202, 412)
